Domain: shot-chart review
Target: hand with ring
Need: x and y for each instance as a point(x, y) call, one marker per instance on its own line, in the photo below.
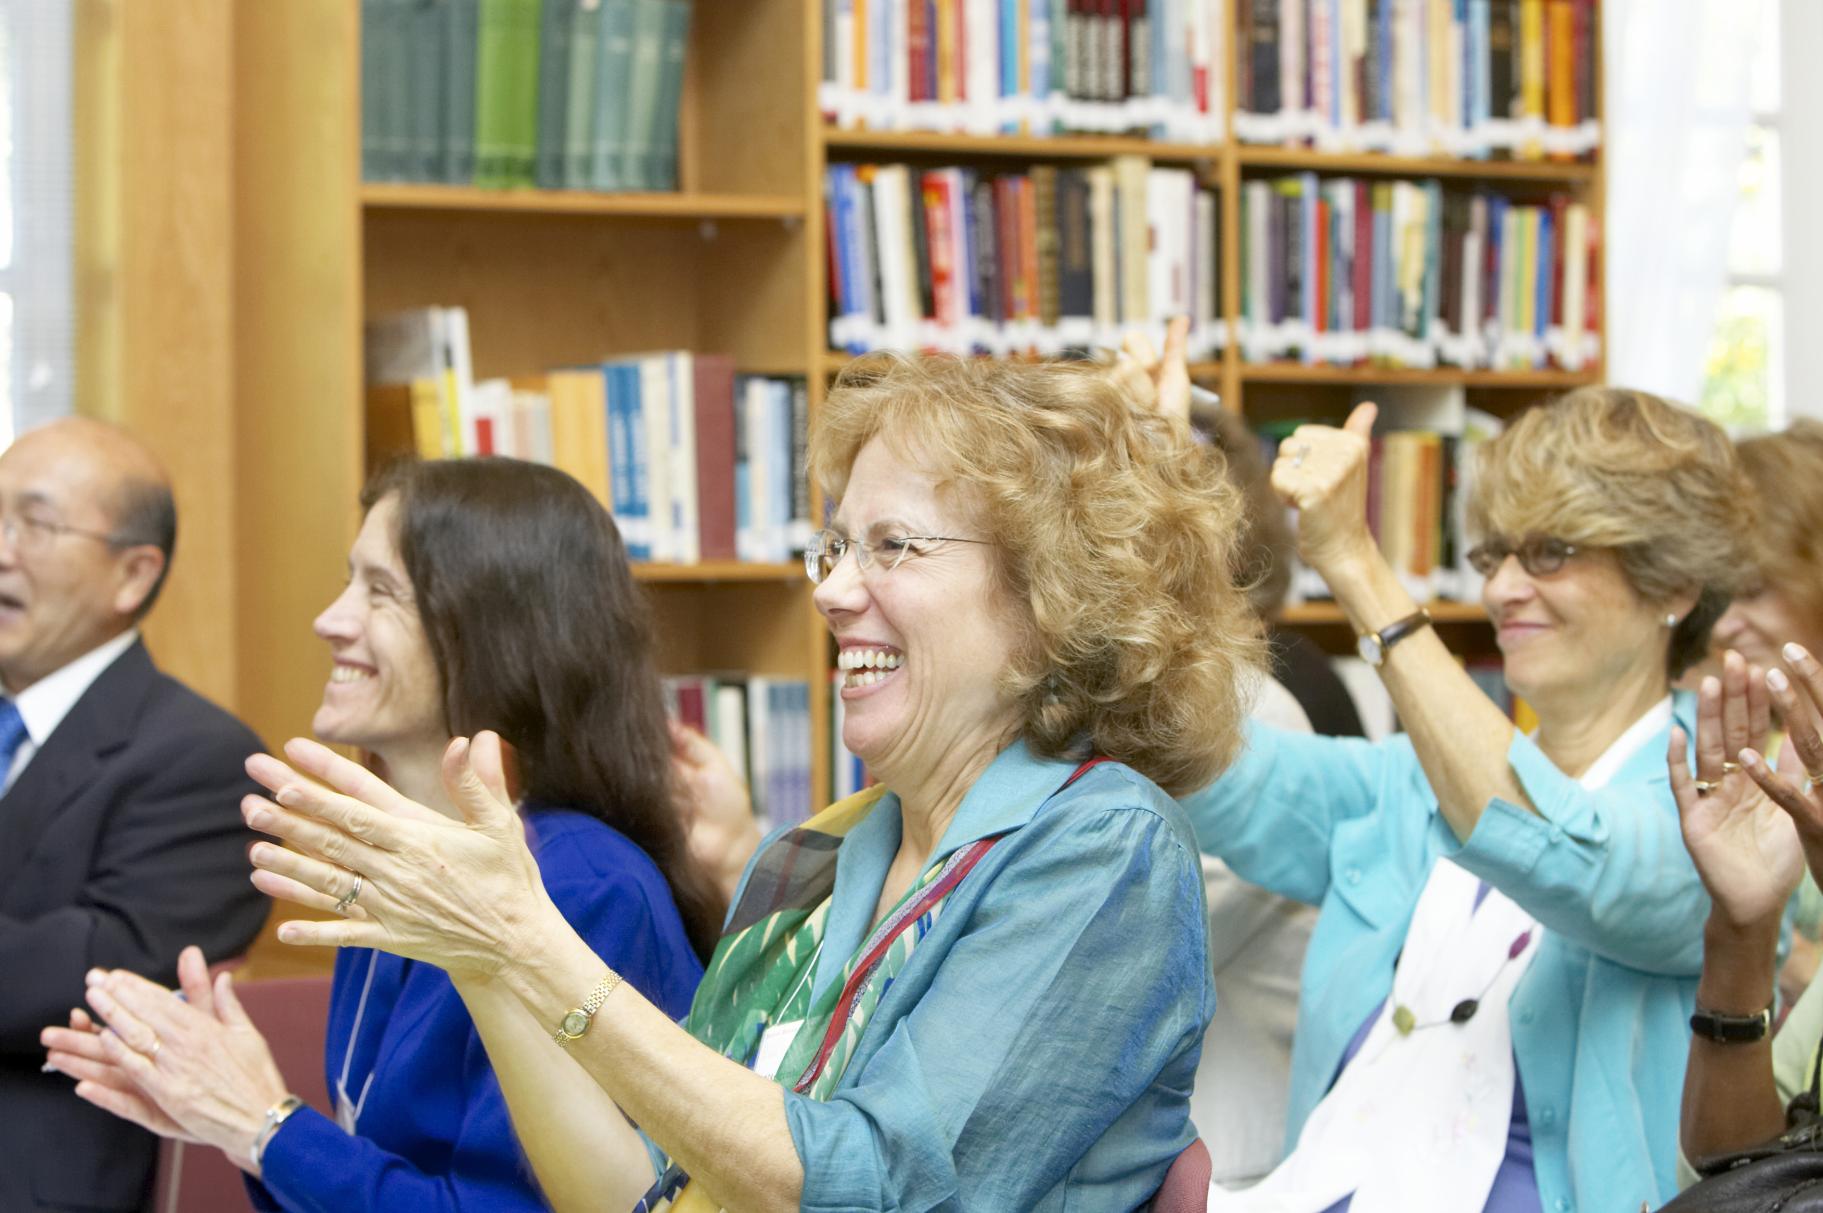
point(1322, 471)
point(462, 895)
point(1745, 849)
point(1797, 785)
point(193, 1068)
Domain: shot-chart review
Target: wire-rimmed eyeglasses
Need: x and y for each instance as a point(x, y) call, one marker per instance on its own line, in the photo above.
point(826, 549)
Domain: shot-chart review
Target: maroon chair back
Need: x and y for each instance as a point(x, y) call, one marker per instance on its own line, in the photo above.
point(1186, 1186)
point(292, 1013)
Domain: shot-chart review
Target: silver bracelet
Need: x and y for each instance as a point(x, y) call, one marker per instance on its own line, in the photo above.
point(276, 1115)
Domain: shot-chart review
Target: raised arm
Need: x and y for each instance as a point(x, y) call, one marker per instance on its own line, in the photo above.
point(1748, 854)
point(1460, 737)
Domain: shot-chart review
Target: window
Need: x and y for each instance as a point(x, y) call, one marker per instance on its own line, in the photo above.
point(1744, 373)
point(37, 328)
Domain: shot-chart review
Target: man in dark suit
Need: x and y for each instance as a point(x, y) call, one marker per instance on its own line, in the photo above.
point(120, 831)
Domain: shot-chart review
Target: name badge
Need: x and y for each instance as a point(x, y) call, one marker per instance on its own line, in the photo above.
point(773, 1047)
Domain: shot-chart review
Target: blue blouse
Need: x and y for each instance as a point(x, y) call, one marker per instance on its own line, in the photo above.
point(1600, 1019)
point(434, 1133)
point(1038, 1048)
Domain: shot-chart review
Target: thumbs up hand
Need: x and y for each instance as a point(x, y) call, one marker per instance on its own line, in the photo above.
point(1321, 472)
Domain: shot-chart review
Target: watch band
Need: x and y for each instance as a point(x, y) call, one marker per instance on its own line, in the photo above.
point(1374, 646)
point(1731, 1029)
point(573, 1025)
point(1399, 629)
point(275, 1116)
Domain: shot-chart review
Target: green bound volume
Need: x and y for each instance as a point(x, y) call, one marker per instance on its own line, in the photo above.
point(612, 70)
point(642, 94)
point(663, 151)
point(424, 87)
point(556, 28)
point(579, 119)
point(458, 34)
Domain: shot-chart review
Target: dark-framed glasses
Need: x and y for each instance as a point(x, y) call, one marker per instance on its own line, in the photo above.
point(1539, 555)
point(826, 549)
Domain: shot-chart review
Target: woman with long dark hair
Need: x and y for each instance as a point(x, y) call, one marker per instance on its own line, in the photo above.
point(481, 593)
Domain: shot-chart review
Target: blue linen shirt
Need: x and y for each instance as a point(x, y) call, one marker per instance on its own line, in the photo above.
point(434, 1133)
point(1037, 1050)
point(1600, 1020)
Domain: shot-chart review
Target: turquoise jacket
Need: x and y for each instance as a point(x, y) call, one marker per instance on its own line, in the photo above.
point(1601, 1017)
point(1037, 1050)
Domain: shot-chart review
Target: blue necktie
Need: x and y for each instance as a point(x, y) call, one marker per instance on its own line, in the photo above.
point(12, 735)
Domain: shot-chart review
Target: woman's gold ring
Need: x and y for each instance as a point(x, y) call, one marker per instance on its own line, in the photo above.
point(1729, 768)
point(1706, 786)
point(354, 891)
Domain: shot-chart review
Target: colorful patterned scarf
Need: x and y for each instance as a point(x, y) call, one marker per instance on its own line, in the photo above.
point(760, 974)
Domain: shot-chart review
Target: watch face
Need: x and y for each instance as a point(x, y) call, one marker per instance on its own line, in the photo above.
point(575, 1024)
point(1371, 650)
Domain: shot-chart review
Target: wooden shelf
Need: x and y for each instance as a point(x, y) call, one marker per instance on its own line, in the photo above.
point(835, 360)
point(388, 196)
point(725, 570)
point(1018, 147)
point(1296, 373)
point(1543, 172)
point(1328, 614)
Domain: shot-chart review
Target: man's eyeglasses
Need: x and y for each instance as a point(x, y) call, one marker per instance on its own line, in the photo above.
point(1539, 555)
point(31, 533)
point(826, 549)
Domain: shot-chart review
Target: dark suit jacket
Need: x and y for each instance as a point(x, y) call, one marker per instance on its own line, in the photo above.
point(120, 843)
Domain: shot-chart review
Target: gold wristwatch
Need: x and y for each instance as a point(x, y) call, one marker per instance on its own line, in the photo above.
point(575, 1025)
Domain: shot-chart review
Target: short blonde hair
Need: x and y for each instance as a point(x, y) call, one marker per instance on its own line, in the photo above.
point(1116, 537)
point(1787, 471)
point(1625, 470)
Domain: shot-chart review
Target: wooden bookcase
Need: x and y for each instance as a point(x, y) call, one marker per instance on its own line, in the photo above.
point(733, 263)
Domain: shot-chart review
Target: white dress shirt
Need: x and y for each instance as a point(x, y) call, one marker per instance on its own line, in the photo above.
point(44, 704)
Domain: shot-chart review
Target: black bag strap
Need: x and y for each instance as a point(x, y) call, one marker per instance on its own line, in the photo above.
point(1806, 1104)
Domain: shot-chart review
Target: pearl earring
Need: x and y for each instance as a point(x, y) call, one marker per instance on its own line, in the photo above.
point(1671, 621)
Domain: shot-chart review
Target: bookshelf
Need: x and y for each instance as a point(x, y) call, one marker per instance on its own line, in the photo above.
point(733, 262)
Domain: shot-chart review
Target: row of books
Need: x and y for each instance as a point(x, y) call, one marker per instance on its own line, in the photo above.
point(696, 462)
point(561, 94)
point(762, 725)
point(1466, 78)
point(1049, 261)
point(1407, 273)
point(1039, 66)
point(1420, 476)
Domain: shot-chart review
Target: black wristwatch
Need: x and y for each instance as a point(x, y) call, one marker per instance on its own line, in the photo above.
point(1731, 1029)
point(1374, 646)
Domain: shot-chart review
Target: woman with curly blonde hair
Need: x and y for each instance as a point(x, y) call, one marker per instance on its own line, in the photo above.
point(1495, 999)
point(980, 984)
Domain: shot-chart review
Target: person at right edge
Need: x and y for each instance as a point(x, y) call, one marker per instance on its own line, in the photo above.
point(1494, 1002)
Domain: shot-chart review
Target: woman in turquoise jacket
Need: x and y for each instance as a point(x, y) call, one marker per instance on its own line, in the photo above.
point(1494, 1003)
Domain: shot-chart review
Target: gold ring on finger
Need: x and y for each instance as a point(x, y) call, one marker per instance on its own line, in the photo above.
point(152, 1053)
point(1706, 786)
point(354, 891)
point(1729, 768)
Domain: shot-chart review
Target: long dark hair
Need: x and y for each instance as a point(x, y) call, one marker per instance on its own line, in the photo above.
point(540, 633)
